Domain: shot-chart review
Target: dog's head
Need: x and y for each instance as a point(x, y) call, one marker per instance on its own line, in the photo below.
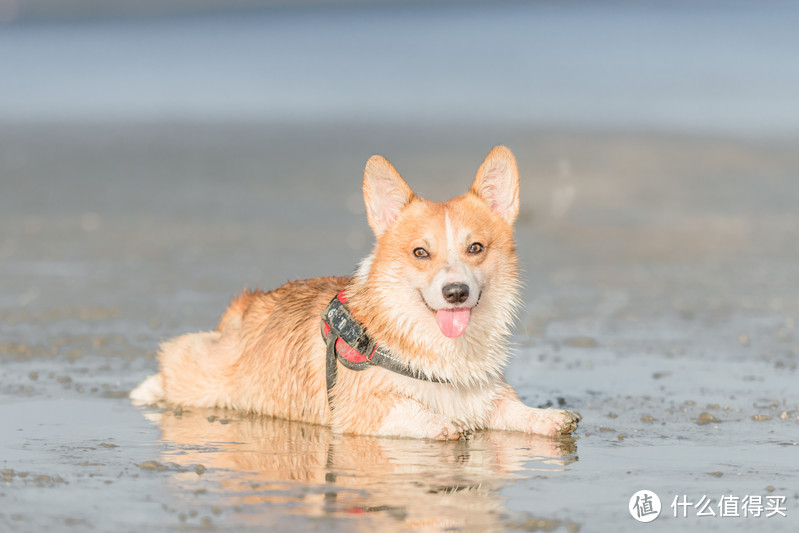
point(446, 267)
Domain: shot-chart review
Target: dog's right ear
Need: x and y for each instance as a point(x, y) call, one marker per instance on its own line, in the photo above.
point(385, 193)
point(497, 183)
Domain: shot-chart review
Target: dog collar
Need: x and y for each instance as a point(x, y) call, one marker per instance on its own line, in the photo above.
point(348, 343)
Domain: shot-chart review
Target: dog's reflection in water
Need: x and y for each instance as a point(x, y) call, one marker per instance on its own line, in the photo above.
point(311, 471)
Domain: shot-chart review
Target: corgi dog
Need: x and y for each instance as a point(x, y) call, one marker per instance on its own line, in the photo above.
point(413, 344)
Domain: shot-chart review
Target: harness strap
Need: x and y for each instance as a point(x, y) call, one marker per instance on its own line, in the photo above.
point(346, 342)
point(331, 366)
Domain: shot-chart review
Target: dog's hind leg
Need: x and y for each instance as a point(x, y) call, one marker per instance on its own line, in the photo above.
point(195, 370)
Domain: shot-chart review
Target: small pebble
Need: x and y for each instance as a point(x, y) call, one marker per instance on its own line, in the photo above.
point(152, 465)
point(706, 418)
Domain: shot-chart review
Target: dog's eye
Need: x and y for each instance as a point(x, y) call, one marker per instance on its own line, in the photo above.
point(476, 248)
point(421, 253)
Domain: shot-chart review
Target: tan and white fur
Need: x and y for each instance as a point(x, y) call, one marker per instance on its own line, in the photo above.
point(439, 291)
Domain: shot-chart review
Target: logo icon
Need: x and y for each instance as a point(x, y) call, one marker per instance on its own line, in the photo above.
point(644, 506)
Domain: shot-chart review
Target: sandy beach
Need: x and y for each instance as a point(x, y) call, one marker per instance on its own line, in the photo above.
point(661, 293)
point(660, 300)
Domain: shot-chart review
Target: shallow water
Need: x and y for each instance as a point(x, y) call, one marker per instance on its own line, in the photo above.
point(150, 168)
point(661, 302)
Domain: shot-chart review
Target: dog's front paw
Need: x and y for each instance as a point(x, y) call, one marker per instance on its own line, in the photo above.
point(554, 422)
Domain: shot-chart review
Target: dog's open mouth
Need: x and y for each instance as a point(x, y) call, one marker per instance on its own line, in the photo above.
point(453, 322)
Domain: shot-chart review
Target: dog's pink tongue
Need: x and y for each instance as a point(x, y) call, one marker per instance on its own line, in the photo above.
point(453, 322)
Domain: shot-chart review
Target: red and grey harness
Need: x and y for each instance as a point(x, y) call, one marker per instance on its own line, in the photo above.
point(347, 342)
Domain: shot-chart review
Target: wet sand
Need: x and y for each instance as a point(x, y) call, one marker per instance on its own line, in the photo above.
point(661, 301)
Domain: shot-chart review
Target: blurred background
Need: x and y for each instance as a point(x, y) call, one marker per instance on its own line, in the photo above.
point(226, 133)
point(722, 67)
point(157, 156)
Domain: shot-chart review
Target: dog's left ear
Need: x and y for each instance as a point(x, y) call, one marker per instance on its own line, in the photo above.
point(385, 193)
point(497, 183)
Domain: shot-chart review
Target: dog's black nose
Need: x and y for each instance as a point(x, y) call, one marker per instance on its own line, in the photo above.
point(455, 293)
